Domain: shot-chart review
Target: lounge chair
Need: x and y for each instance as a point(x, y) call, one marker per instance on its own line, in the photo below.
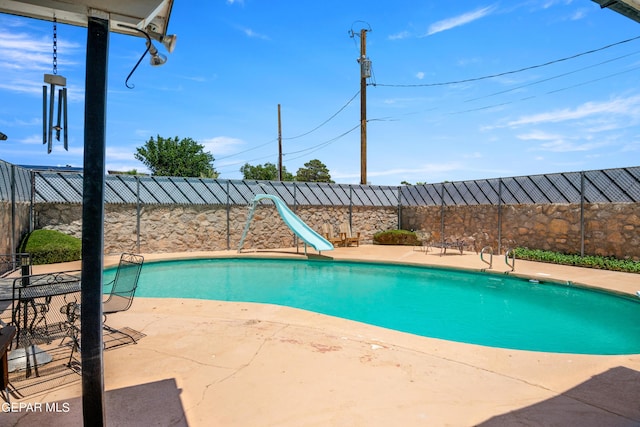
point(123, 287)
point(348, 237)
point(448, 244)
point(327, 233)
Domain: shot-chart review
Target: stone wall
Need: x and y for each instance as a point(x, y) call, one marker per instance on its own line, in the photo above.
point(611, 229)
point(178, 228)
point(21, 226)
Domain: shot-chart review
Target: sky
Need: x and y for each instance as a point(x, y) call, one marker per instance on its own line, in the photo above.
point(458, 90)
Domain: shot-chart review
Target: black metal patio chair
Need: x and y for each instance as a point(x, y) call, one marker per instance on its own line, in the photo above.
point(124, 285)
point(122, 290)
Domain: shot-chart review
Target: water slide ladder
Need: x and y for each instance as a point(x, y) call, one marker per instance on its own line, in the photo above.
point(252, 209)
point(302, 230)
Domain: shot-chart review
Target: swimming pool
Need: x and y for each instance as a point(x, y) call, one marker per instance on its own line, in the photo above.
point(477, 308)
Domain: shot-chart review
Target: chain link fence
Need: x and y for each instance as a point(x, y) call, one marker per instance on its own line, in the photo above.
point(620, 185)
point(600, 186)
point(22, 189)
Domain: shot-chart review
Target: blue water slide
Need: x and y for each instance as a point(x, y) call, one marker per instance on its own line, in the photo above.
point(298, 226)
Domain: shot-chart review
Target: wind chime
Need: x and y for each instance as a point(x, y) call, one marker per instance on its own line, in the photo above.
point(54, 80)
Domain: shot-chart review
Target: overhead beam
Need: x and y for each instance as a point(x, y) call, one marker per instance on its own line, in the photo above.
point(139, 13)
point(628, 8)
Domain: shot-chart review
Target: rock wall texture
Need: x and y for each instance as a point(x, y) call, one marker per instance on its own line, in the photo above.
point(21, 225)
point(611, 229)
point(178, 228)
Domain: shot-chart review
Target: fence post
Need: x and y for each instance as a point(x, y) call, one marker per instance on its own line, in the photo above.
point(350, 204)
point(442, 212)
point(582, 213)
point(500, 216)
point(228, 219)
point(32, 204)
point(295, 200)
point(399, 207)
point(138, 213)
point(13, 208)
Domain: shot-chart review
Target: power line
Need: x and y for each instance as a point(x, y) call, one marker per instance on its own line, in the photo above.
point(486, 107)
point(474, 79)
point(247, 150)
point(553, 77)
point(326, 121)
point(243, 162)
point(307, 151)
point(322, 144)
point(293, 137)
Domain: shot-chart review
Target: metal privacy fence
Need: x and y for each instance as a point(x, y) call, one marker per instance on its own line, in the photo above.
point(598, 186)
point(620, 185)
point(15, 183)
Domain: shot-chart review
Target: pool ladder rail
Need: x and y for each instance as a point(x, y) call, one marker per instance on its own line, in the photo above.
point(509, 258)
point(510, 253)
point(487, 250)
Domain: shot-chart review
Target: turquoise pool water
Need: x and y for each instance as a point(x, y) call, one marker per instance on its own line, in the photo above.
point(478, 308)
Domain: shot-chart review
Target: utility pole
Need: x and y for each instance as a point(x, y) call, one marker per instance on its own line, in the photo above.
point(279, 146)
point(365, 73)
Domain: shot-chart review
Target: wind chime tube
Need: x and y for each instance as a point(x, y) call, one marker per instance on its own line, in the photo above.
point(51, 101)
point(57, 127)
point(64, 104)
point(44, 114)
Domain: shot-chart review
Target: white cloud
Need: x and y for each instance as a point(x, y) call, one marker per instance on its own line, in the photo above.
point(144, 133)
point(456, 21)
point(399, 36)
point(253, 35)
point(120, 153)
point(538, 136)
point(557, 143)
point(22, 51)
point(420, 75)
point(474, 155)
point(566, 146)
point(619, 106)
point(221, 145)
point(578, 14)
point(422, 171)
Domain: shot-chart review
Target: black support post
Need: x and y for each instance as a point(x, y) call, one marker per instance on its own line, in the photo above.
point(93, 222)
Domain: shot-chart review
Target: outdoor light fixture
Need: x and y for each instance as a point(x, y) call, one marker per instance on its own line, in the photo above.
point(169, 42)
point(157, 58)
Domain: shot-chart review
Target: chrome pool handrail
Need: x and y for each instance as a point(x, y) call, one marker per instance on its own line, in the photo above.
point(489, 250)
point(513, 259)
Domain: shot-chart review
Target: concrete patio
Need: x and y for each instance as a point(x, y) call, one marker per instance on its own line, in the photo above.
point(211, 363)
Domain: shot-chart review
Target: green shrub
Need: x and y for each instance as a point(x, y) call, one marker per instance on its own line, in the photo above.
point(592, 261)
point(50, 246)
point(396, 237)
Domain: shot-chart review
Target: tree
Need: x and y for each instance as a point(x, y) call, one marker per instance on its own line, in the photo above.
point(266, 172)
point(176, 157)
point(314, 171)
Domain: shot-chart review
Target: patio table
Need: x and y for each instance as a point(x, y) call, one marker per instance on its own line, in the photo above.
point(33, 296)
